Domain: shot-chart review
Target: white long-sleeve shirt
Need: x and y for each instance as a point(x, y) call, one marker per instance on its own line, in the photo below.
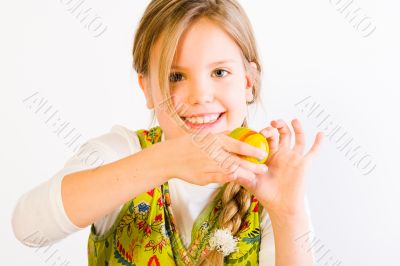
point(49, 223)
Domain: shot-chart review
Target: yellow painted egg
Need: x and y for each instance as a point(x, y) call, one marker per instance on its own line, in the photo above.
point(253, 138)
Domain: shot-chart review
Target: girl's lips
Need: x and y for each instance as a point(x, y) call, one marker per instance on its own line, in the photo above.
point(206, 125)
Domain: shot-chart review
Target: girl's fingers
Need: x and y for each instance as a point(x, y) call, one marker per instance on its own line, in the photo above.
point(235, 171)
point(315, 147)
point(239, 147)
point(254, 167)
point(240, 168)
point(272, 136)
point(244, 173)
point(299, 136)
point(245, 178)
point(230, 163)
point(284, 132)
point(221, 178)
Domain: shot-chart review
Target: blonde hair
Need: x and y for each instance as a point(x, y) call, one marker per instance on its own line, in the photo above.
point(169, 19)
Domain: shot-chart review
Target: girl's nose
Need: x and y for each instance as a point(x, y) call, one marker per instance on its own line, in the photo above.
point(200, 92)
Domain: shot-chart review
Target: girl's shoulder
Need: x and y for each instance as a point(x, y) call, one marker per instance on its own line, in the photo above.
point(122, 136)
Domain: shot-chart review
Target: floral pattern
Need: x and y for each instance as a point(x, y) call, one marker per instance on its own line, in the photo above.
point(145, 231)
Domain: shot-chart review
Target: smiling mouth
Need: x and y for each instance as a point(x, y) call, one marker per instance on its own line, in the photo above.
point(203, 121)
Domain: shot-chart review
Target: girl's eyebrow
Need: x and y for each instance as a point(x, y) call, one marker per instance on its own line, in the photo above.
point(220, 62)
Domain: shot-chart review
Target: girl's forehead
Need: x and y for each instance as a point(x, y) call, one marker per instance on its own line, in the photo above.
point(206, 42)
point(203, 43)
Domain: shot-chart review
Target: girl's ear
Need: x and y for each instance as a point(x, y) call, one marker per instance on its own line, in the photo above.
point(250, 80)
point(144, 85)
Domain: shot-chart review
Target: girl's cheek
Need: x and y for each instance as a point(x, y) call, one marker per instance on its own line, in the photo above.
point(177, 87)
point(178, 97)
point(231, 85)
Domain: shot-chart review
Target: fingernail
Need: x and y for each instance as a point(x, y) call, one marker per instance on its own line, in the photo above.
point(264, 168)
point(263, 155)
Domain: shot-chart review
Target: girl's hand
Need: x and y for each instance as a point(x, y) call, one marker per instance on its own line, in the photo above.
point(211, 158)
point(282, 188)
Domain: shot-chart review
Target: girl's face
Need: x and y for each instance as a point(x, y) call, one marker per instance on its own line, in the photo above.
point(208, 81)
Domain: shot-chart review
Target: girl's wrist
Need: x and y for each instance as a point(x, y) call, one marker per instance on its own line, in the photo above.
point(283, 217)
point(292, 213)
point(166, 160)
point(288, 230)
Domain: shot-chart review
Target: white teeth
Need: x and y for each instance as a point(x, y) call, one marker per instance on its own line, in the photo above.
point(202, 119)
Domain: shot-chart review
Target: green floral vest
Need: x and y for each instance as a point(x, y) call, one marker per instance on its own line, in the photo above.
point(145, 231)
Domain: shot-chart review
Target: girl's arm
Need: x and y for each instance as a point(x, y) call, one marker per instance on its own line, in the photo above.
point(91, 194)
point(291, 243)
point(281, 191)
point(39, 217)
point(267, 248)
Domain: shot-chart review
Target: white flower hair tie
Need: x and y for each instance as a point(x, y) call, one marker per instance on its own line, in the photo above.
point(223, 241)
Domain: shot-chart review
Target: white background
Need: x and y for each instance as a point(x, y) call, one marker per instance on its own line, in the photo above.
point(308, 48)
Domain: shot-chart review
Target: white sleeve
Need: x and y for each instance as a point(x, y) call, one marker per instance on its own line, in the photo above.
point(39, 217)
point(267, 248)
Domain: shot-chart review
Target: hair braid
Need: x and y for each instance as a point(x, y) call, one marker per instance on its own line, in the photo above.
point(236, 203)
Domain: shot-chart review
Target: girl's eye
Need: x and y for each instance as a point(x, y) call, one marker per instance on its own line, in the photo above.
point(220, 73)
point(175, 77)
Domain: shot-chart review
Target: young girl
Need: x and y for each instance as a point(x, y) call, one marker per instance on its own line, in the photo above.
point(166, 196)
